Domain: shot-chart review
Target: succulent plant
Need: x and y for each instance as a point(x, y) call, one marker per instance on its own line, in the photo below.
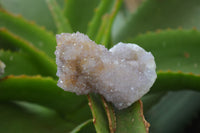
point(31, 101)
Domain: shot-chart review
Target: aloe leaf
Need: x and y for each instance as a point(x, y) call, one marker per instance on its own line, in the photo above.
point(174, 112)
point(95, 23)
point(176, 81)
point(30, 32)
point(104, 34)
point(109, 109)
point(29, 118)
point(43, 91)
point(99, 116)
point(106, 40)
point(79, 13)
point(61, 22)
point(86, 127)
point(155, 14)
point(175, 50)
point(17, 63)
point(126, 120)
point(131, 120)
point(152, 99)
point(102, 28)
point(41, 16)
point(45, 65)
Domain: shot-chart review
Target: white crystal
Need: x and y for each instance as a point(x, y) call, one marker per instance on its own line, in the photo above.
point(122, 74)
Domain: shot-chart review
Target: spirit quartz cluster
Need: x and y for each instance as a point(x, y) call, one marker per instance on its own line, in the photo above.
point(122, 74)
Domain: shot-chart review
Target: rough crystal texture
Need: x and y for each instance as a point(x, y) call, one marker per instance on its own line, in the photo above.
point(122, 74)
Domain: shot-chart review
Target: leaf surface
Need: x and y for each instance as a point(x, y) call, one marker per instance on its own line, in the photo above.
point(175, 50)
point(79, 13)
point(86, 127)
point(160, 14)
point(44, 64)
point(44, 91)
point(174, 112)
point(17, 63)
point(61, 22)
point(30, 118)
point(131, 120)
point(27, 8)
point(176, 81)
point(30, 32)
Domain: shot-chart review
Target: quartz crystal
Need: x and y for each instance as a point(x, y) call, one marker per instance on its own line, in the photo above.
point(122, 74)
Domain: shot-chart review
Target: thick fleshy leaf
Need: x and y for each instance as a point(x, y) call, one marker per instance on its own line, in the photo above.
point(131, 120)
point(176, 50)
point(28, 118)
point(79, 13)
point(152, 99)
point(161, 14)
point(44, 64)
point(176, 81)
point(28, 31)
point(94, 24)
point(86, 127)
point(61, 22)
point(99, 116)
point(106, 39)
point(41, 16)
point(174, 112)
point(17, 63)
point(44, 91)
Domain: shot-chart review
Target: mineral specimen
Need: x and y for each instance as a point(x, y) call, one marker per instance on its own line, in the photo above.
point(122, 74)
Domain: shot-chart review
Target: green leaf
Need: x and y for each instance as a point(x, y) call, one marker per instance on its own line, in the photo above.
point(174, 112)
point(61, 22)
point(176, 81)
point(96, 21)
point(79, 13)
point(44, 91)
point(156, 14)
point(44, 64)
point(99, 116)
point(30, 32)
point(29, 118)
point(152, 99)
point(86, 127)
point(41, 16)
point(17, 63)
point(175, 50)
point(131, 120)
point(109, 109)
point(106, 40)
point(102, 28)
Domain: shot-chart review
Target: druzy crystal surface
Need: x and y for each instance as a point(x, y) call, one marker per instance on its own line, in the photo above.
point(122, 74)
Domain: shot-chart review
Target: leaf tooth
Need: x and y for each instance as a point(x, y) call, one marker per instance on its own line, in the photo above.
point(32, 22)
point(194, 28)
point(19, 16)
point(169, 29)
point(158, 30)
point(180, 28)
point(94, 120)
point(179, 71)
point(148, 32)
point(146, 124)
point(169, 70)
